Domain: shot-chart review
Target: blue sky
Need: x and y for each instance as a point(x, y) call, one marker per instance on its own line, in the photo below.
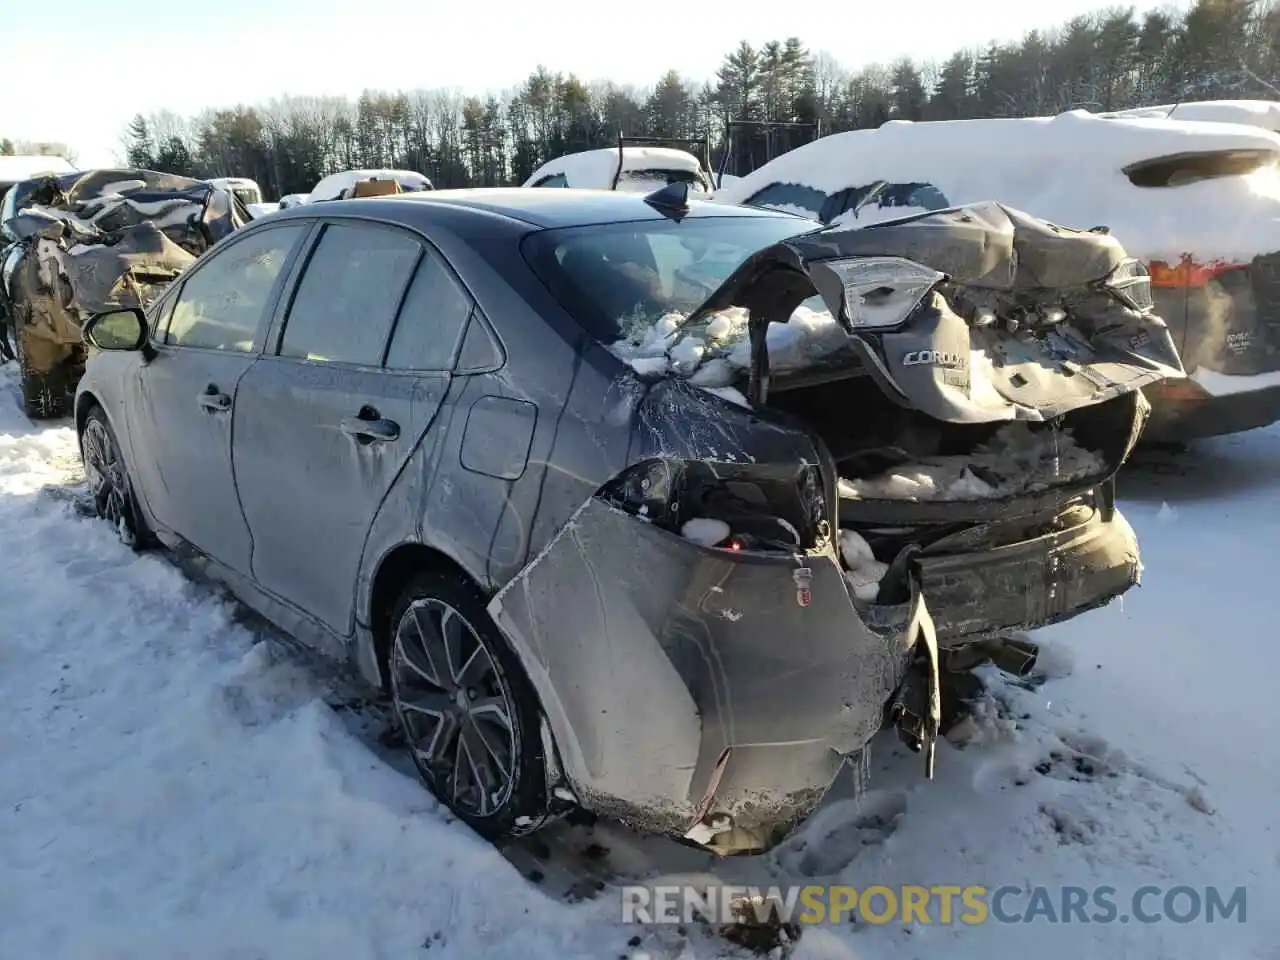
point(109, 62)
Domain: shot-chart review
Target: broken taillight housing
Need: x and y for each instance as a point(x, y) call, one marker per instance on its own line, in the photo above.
point(766, 506)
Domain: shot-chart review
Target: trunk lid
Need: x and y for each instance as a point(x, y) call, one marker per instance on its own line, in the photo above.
point(976, 314)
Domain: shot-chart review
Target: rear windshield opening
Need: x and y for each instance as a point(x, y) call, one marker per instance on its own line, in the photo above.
point(1184, 168)
point(620, 278)
point(659, 177)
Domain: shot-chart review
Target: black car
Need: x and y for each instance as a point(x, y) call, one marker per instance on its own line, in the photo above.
point(419, 433)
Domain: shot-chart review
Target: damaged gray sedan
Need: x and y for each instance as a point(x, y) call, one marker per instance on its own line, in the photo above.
point(79, 243)
point(650, 507)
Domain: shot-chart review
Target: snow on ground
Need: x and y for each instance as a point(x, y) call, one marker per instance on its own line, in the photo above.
point(174, 786)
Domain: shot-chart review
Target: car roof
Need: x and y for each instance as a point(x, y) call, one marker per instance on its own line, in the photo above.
point(535, 206)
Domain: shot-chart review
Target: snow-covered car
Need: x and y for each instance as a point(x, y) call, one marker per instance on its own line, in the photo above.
point(257, 210)
point(79, 243)
point(1252, 113)
point(1197, 202)
point(633, 169)
point(293, 200)
point(367, 183)
point(246, 191)
point(781, 478)
point(16, 169)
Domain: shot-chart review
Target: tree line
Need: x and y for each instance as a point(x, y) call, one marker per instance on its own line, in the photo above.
point(780, 95)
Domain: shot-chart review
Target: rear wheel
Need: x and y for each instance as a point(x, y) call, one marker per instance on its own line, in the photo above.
point(467, 712)
point(108, 481)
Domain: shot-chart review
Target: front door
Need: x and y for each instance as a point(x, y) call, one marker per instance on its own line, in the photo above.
point(325, 423)
point(211, 333)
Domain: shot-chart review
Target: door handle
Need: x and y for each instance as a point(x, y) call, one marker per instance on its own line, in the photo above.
point(214, 400)
point(368, 429)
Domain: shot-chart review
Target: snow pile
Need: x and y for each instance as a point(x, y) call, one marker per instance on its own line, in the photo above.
point(864, 572)
point(716, 353)
point(706, 531)
point(1017, 460)
point(1068, 169)
point(190, 795)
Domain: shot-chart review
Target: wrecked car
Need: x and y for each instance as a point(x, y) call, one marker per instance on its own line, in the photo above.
point(611, 528)
point(1198, 202)
point(80, 243)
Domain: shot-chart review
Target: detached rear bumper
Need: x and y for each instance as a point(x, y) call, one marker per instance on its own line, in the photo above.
point(687, 685)
point(1031, 583)
point(1182, 411)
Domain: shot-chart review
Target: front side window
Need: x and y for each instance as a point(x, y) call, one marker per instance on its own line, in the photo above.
point(223, 304)
point(347, 299)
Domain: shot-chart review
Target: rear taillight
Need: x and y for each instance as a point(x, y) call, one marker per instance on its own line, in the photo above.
point(766, 507)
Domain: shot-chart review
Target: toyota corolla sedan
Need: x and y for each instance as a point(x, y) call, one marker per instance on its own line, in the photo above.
point(649, 506)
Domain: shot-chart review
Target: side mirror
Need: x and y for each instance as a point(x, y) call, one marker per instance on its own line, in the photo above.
point(117, 330)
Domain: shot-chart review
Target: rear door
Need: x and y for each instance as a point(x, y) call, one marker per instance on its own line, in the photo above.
point(329, 417)
point(210, 333)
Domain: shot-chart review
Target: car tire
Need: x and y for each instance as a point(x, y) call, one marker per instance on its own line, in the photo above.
point(465, 708)
point(109, 482)
point(49, 395)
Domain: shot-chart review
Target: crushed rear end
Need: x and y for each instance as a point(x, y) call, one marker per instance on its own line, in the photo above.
point(923, 459)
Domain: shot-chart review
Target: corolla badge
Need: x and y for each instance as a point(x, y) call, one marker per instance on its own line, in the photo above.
point(934, 358)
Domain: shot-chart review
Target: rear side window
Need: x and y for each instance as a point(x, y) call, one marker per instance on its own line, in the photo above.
point(789, 198)
point(432, 319)
point(1184, 168)
point(882, 194)
point(347, 299)
point(222, 305)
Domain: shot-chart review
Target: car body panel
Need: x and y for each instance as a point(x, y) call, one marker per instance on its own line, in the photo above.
point(685, 664)
point(297, 471)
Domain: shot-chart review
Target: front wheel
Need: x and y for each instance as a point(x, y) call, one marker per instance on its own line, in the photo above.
point(108, 481)
point(468, 714)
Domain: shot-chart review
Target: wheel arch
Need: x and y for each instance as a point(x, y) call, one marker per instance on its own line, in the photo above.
point(85, 402)
point(393, 571)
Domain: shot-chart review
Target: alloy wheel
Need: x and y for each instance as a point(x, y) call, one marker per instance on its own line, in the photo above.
point(455, 708)
point(106, 478)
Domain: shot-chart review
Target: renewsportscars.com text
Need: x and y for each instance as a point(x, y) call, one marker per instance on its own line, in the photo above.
point(940, 904)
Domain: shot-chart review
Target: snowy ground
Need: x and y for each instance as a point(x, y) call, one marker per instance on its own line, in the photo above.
point(172, 786)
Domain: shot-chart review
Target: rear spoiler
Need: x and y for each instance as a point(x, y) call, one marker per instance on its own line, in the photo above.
point(700, 148)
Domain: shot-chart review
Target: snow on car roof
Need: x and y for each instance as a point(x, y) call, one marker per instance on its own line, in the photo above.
point(1252, 113)
point(595, 168)
point(1068, 169)
point(17, 169)
point(332, 186)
